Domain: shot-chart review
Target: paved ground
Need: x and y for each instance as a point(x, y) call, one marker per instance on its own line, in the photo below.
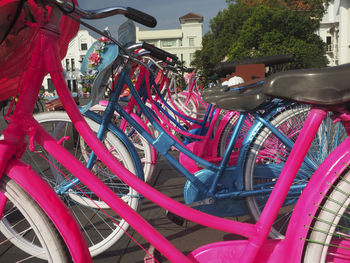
point(186, 238)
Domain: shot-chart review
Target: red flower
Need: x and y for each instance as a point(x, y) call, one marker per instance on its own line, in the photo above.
point(94, 58)
point(104, 39)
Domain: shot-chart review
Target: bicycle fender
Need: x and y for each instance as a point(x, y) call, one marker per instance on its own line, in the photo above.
point(55, 209)
point(138, 119)
point(124, 138)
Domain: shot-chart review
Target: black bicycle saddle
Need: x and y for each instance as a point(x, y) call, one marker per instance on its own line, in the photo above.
point(218, 89)
point(239, 98)
point(324, 86)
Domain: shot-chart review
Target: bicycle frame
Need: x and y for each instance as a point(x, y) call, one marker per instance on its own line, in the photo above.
point(176, 109)
point(45, 59)
point(14, 144)
point(168, 122)
point(191, 92)
point(165, 142)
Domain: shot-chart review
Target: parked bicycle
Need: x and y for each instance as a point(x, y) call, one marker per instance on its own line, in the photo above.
point(215, 190)
point(309, 235)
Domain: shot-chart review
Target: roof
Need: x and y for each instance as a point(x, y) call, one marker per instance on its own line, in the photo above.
point(191, 17)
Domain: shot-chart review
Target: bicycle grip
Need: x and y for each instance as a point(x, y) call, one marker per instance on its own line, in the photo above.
point(158, 53)
point(140, 17)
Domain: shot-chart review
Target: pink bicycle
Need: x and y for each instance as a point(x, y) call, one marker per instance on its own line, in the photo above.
point(317, 230)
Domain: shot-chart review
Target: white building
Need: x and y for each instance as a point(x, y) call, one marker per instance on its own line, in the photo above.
point(76, 52)
point(334, 30)
point(182, 42)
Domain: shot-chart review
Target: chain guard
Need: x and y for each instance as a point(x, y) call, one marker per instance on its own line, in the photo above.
point(220, 207)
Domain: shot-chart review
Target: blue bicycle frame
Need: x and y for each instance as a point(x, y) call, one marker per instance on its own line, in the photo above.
point(221, 182)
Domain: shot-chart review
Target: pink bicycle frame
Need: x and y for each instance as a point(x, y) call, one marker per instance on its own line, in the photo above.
point(13, 145)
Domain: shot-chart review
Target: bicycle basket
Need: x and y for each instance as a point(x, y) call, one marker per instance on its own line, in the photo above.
point(16, 49)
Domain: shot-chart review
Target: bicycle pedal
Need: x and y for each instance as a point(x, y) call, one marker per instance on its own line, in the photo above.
point(175, 218)
point(153, 256)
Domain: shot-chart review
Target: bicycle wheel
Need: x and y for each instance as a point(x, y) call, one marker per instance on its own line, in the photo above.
point(190, 108)
point(328, 237)
point(25, 225)
point(227, 133)
point(142, 146)
point(266, 157)
point(101, 230)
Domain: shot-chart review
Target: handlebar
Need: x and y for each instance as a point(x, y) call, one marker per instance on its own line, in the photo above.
point(140, 17)
point(158, 53)
point(128, 12)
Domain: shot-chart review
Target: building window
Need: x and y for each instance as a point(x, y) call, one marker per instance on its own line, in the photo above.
point(69, 84)
point(168, 43)
point(73, 64)
point(180, 42)
point(191, 41)
point(191, 57)
point(67, 65)
point(83, 46)
point(75, 89)
point(182, 57)
point(81, 58)
point(329, 43)
point(153, 42)
point(50, 86)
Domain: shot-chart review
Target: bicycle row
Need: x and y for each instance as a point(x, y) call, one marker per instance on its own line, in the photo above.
point(254, 152)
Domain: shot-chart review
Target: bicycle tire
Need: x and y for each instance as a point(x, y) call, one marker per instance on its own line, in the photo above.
point(99, 229)
point(266, 150)
point(190, 110)
point(33, 229)
point(227, 133)
point(142, 146)
point(330, 225)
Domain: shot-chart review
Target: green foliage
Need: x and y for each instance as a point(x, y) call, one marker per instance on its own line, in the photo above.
point(260, 29)
point(271, 32)
point(313, 8)
point(224, 31)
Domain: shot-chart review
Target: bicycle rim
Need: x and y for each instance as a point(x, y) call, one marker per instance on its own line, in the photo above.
point(267, 156)
point(25, 225)
point(328, 239)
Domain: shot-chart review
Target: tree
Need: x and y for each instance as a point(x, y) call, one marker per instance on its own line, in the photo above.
point(255, 28)
point(224, 31)
point(312, 8)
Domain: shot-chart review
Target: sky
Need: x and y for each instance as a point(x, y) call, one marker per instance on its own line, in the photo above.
point(166, 12)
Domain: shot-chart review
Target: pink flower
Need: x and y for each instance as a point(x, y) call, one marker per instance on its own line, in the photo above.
point(104, 39)
point(94, 58)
